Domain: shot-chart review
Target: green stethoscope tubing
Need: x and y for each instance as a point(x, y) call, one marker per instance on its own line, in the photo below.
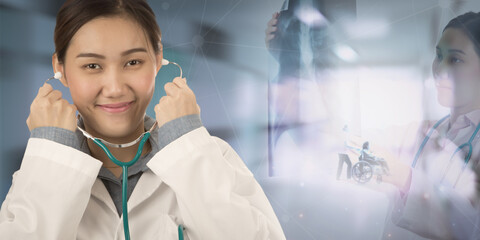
point(180, 232)
point(467, 144)
point(124, 166)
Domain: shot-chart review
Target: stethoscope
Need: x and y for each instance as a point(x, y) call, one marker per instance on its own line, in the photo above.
point(459, 148)
point(103, 145)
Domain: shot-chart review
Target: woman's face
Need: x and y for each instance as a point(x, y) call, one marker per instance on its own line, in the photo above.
point(456, 70)
point(110, 69)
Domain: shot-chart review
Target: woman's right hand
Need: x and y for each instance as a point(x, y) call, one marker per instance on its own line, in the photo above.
point(49, 109)
point(271, 29)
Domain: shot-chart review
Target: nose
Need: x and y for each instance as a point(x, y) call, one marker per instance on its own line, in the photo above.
point(439, 69)
point(113, 85)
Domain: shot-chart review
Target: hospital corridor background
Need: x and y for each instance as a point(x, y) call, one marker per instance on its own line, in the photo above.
point(343, 68)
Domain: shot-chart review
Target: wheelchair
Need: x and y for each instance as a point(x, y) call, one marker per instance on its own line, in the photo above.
point(364, 170)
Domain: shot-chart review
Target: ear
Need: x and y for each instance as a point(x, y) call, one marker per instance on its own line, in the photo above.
point(59, 67)
point(158, 58)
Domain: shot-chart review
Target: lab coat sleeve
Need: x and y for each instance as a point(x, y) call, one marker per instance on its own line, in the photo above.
point(434, 211)
point(217, 195)
point(49, 192)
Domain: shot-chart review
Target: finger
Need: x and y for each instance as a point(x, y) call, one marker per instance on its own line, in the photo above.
point(269, 25)
point(162, 99)
point(161, 104)
point(72, 111)
point(171, 89)
point(74, 107)
point(273, 22)
point(28, 123)
point(44, 90)
point(180, 82)
point(270, 30)
point(270, 37)
point(70, 108)
point(54, 95)
point(60, 105)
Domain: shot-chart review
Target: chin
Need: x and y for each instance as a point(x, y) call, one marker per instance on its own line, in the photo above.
point(445, 103)
point(445, 98)
point(118, 128)
point(117, 131)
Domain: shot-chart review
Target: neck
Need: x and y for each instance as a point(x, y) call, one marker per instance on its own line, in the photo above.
point(121, 154)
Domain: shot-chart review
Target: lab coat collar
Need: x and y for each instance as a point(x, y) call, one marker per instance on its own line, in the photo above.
point(468, 118)
point(473, 117)
point(146, 186)
point(100, 192)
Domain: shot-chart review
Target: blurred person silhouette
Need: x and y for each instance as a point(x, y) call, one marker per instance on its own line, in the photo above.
point(436, 173)
point(298, 115)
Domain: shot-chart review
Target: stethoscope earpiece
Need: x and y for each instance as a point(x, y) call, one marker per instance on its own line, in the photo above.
point(57, 75)
point(166, 62)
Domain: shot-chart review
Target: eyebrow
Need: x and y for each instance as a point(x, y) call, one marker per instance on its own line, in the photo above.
point(456, 51)
point(125, 53)
point(453, 50)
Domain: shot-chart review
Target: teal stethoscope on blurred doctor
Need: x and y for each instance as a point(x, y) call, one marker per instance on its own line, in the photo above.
point(467, 145)
point(142, 139)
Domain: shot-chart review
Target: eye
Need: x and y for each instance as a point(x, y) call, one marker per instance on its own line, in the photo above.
point(134, 62)
point(439, 56)
point(455, 60)
point(92, 66)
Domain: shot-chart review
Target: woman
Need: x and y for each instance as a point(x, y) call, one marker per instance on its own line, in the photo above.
point(439, 196)
point(108, 53)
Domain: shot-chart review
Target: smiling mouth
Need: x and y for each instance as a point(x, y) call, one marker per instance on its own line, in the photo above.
point(115, 107)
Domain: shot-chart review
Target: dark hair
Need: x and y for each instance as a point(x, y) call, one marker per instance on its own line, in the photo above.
point(366, 145)
point(469, 23)
point(75, 13)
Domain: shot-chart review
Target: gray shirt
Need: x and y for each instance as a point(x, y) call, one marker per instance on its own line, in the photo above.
point(159, 138)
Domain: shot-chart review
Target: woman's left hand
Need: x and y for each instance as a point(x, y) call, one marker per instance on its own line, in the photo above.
point(180, 101)
point(399, 174)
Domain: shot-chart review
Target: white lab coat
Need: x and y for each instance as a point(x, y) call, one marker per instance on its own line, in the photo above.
point(197, 180)
point(432, 208)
